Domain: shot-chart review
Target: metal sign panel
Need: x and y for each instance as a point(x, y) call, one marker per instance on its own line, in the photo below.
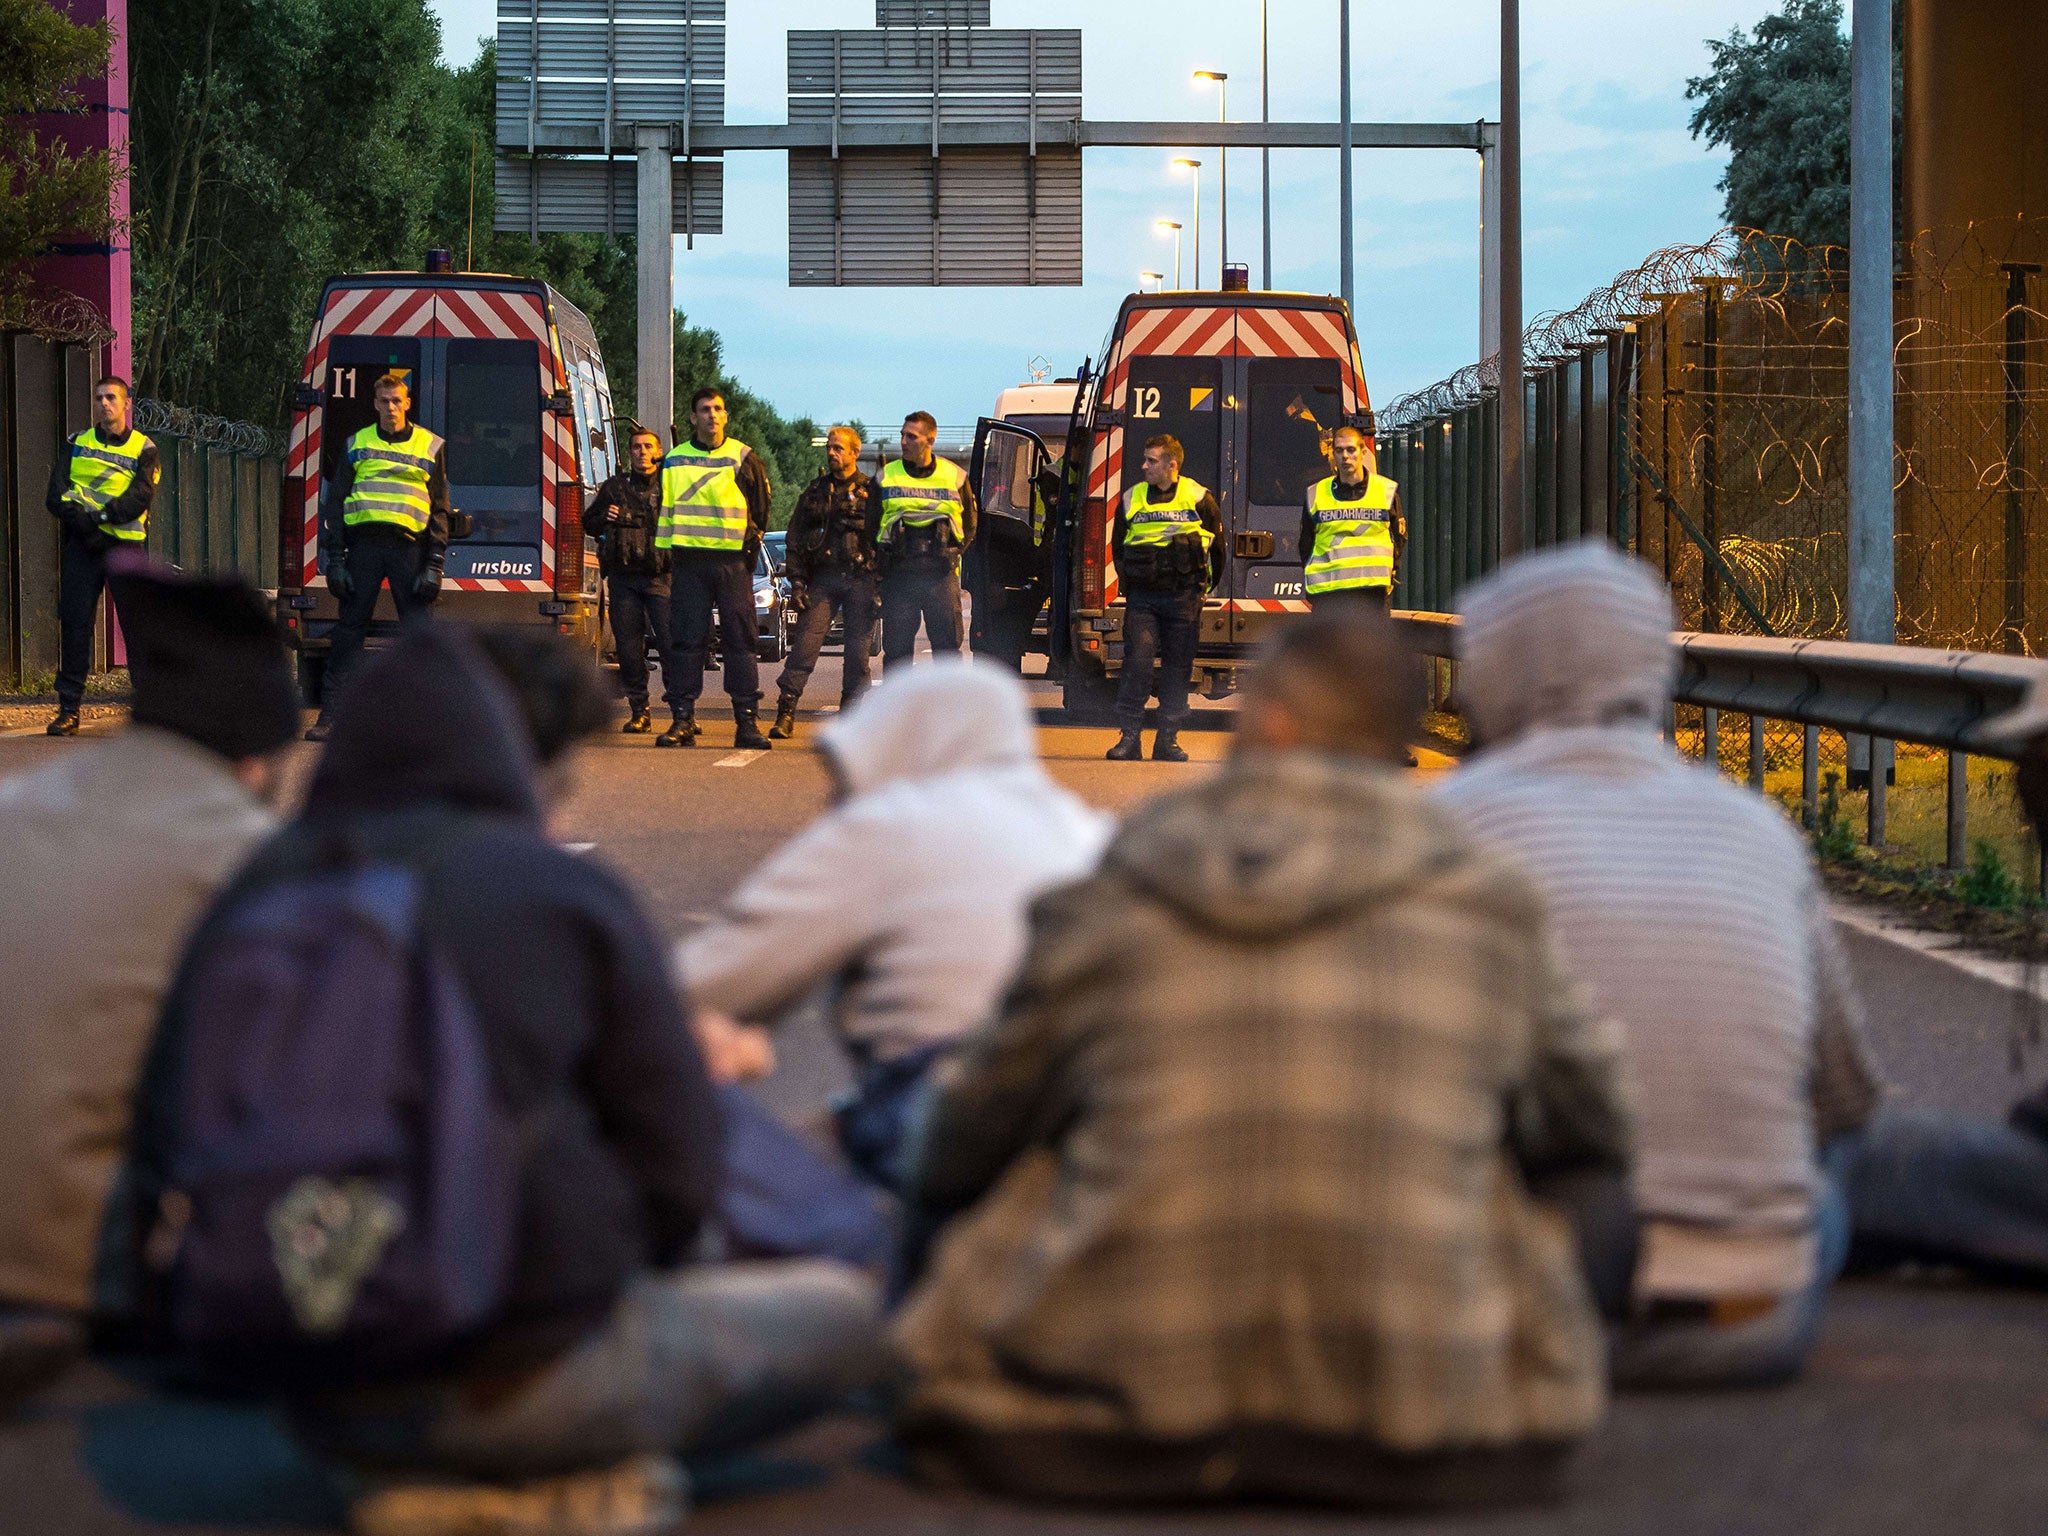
point(579, 74)
point(931, 13)
point(1013, 62)
point(601, 197)
point(965, 218)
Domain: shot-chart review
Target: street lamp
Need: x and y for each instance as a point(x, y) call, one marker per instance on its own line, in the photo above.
point(1265, 166)
point(1194, 168)
point(1157, 279)
point(1164, 226)
point(1218, 77)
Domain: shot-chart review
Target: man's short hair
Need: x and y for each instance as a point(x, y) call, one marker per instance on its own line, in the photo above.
point(708, 392)
point(1169, 445)
point(644, 432)
point(1357, 432)
point(852, 434)
point(1346, 675)
point(115, 379)
point(392, 378)
point(923, 419)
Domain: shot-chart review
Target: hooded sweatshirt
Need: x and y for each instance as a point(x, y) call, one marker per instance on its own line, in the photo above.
point(1246, 1144)
point(911, 891)
point(1686, 906)
point(429, 767)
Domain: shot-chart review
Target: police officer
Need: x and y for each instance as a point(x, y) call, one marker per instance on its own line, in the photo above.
point(1008, 572)
point(928, 518)
point(1352, 531)
point(1168, 555)
point(715, 500)
point(625, 517)
point(832, 536)
point(385, 520)
point(100, 490)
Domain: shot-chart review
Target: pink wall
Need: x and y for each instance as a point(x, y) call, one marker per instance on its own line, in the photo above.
point(100, 273)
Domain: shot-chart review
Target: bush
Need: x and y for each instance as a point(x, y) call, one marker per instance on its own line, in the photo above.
point(1833, 838)
point(1987, 882)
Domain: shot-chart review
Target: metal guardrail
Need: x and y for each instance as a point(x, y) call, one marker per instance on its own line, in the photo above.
point(1887, 693)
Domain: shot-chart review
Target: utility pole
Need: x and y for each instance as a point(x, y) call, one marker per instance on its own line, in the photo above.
point(656, 376)
point(1265, 166)
point(1510, 413)
point(1872, 602)
point(1344, 151)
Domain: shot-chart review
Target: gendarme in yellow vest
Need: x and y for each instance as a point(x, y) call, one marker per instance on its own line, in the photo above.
point(1354, 545)
point(391, 478)
point(102, 471)
point(910, 501)
point(1172, 517)
point(702, 505)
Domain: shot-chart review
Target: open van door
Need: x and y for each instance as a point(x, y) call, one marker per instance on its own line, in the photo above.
point(1008, 567)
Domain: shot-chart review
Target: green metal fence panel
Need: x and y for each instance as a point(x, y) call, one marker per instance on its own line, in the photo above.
point(217, 506)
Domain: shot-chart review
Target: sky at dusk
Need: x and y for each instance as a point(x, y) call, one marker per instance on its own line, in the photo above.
point(1609, 175)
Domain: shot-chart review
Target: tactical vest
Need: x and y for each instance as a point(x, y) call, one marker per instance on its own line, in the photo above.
point(391, 478)
point(101, 473)
point(1354, 544)
point(908, 501)
point(1161, 522)
point(702, 505)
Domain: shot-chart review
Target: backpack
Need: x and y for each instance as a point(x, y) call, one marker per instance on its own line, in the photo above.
point(341, 1189)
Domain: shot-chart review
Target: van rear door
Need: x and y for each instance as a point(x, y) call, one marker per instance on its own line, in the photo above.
point(488, 407)
point(354, 364)
point(1288, 406)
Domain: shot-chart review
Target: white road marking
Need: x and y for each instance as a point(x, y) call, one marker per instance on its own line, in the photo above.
point(579, 847)
point(740, 760)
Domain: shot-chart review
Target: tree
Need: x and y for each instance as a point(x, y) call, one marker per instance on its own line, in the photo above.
point(46, 192)
point(1778, 101)
point(788, 446)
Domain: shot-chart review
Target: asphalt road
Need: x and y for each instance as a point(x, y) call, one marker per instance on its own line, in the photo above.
point(1926, 1408)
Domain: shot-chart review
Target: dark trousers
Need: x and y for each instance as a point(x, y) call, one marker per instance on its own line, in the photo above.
point(927, 594)
point(1381, 598)
point(698, 586)
point(375, 555)
point(1161, 625)
point(636, 602)
point(83, 578)
point(850, 594)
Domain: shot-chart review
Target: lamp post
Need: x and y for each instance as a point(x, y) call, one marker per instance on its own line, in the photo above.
point(1222, 169)
point(1194, 168)
point(1265, 166)
point(1157, 279)
point(1344, 149)
point(1510, 399)
point(1165, 225)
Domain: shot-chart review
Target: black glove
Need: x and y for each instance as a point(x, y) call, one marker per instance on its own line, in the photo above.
point(799, 596)
point(339, 581)
point(427, 585)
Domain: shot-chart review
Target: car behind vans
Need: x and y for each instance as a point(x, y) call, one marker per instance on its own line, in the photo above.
point(1252, 384)
point(507, 372)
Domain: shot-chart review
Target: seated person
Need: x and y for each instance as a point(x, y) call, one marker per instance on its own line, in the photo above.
point(609, 1351)
point(1237, 1177)
point(909, 893)
point(108, 856)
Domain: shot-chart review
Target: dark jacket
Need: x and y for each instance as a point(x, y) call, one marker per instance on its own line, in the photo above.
point(624, 519)
point(429, 766)
point(124, 508)
point(752, 477)
point(433, 538)
point(1172, 568)
point(834, 526)
point(1396, 520)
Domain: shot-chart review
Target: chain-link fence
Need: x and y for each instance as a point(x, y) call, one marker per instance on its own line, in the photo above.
point(216, 507)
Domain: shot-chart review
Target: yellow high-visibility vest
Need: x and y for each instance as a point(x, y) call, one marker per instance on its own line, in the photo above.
point(102, 471)
point(391, 478)
point(702, 505)
point(1161, 522)
point(1354, 544)
point(923, 503)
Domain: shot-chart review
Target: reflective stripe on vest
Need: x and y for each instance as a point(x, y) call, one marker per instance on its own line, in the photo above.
point(102, 472)
point(1354, 539)
point(702, 505)
point(923, 503)
point(1161, 522)
point(391, 478)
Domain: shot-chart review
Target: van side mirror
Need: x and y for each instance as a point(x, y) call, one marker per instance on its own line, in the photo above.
point(460, 525)
point(307, 396)
point(560, 403)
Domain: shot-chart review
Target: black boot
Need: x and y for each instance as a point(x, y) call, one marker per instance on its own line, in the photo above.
point(1166, 747)
point(1128, 748)
point(681, 732)
point(66, 723)
point(785, 721)
point(640, 724)
point(746, 735)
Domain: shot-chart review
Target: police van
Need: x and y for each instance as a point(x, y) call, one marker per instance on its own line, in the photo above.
point(508, 374)
point(1252, 384)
